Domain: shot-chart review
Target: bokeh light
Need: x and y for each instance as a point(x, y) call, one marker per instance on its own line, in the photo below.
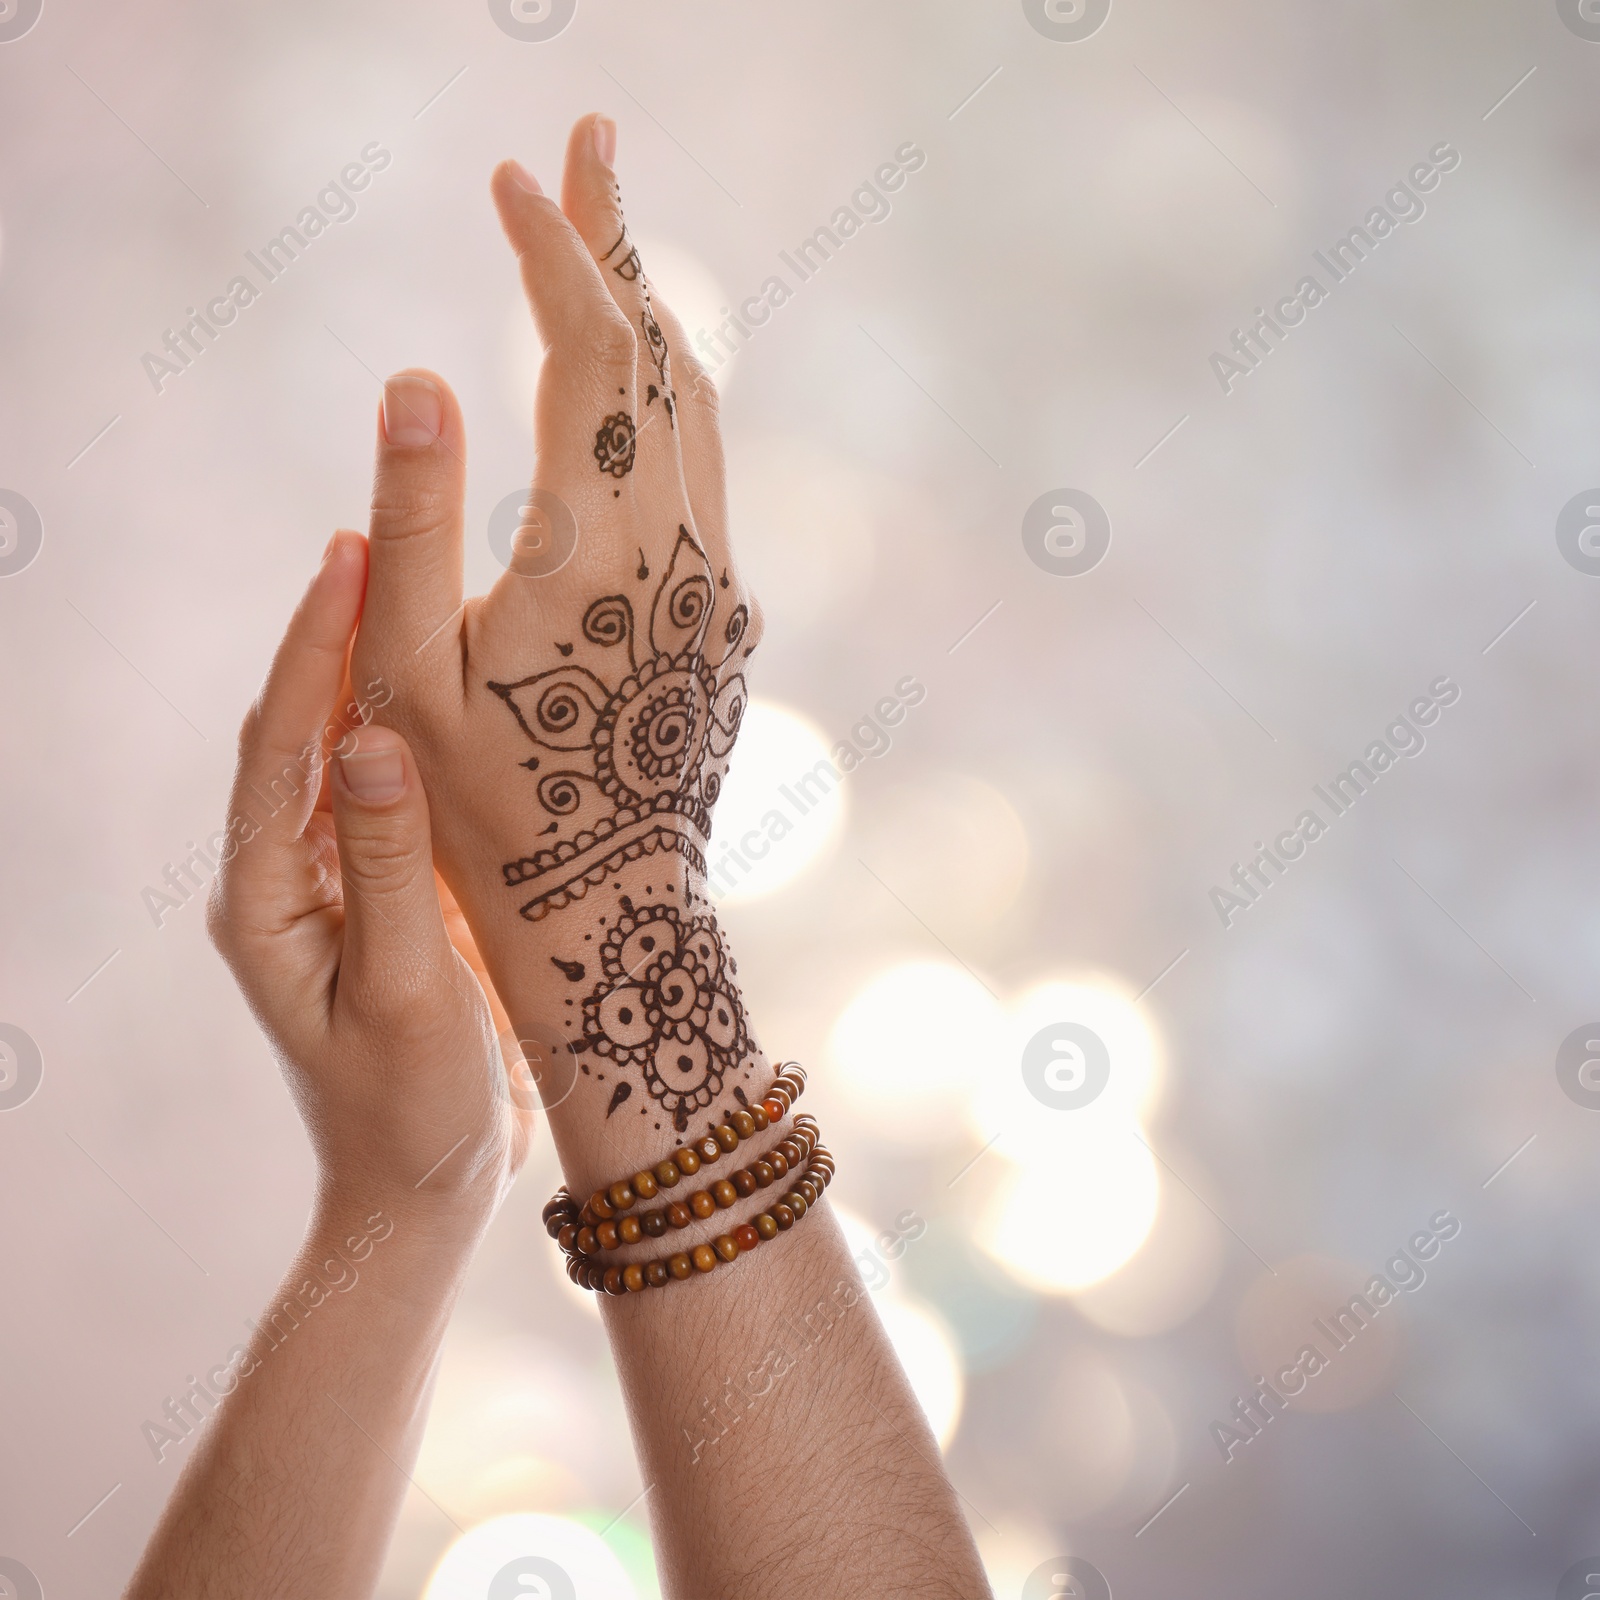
point(1064, 1224)
point(475, 1566)
point(910, 1045)
point(781, 805)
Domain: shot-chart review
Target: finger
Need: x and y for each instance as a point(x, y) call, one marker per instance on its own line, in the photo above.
point(395, 944)
point(414, 590)
point(592, 200)
point(699, 420)
point(588, 371)
point(280, 744)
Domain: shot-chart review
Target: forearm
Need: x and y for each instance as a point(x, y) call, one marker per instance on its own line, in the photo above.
point(296, 1480)
point(785, 1452)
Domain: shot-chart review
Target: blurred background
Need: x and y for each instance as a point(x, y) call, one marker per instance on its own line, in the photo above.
point(1049, 761)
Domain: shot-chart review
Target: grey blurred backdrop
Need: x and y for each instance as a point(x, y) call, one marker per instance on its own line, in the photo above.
point(1295, 1096)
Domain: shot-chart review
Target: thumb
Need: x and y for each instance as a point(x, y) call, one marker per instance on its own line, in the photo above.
point(394, 935)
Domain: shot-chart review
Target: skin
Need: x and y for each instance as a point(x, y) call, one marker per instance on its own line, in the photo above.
point(328, 912)
point(783, 1450)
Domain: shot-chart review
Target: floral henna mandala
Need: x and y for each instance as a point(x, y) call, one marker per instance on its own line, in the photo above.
point(633, 745)
point(666, 1004)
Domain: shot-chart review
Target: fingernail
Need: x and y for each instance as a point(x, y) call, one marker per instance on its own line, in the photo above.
point(605, 140)
point(524, 179)
point(328, 551)
point(374, 775)
point(413, 412)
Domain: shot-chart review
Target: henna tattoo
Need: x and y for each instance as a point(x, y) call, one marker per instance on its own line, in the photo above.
point(619, 1095)
point(666, 1004)
point(644, 736)
point(629, 267)
point(614, 445)
point(572, 969)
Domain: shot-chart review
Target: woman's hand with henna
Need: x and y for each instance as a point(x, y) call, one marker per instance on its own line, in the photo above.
point(573, 726)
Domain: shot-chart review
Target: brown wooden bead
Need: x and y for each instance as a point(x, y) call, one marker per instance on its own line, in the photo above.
point(656, 1274)
point(763, 1173)
point(621, 1194)
point(667, 1174)
point(611, 1281)
point(568, 1234)
point(744, 1181)
point(679, 1215)
point(600, 1207)
point(808, 1189)
point(725, 1136)
point(586, 1242)
point(704, 1258)
point(629, 1230)
point(575, 1269)
point(783, 1215)
point(724, 1193)
point(775, 1109)
point(701, 1203)
point(606, 1233)
point(679, 1265)
point(633, 1278)
point(557, 1202)
point(686, 1160)
point(654, 1223)
point(726, 1246)
point(708, 1149)
point(766, 1225)
point(778, 1162)
point(747, 1236)
point(644, 1184)
point(797, 1203)
point(789, 1149)
point(758, 1115)
point(743, 1123)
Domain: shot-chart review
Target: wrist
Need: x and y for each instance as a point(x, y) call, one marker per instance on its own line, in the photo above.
point(416, 1251)
point(627, 1006)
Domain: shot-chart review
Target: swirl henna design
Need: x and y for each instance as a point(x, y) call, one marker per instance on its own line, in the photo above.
point(657, 994)
point(666, 1004)
point(640, 729)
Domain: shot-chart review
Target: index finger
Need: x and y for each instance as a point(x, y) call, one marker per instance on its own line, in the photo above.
point(280, 745)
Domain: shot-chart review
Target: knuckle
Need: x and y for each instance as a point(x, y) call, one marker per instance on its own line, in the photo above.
point(384, 861)
point(406, 504)
point(611, 342)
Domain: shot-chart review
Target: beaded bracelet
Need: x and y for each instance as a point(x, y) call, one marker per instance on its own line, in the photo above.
point(785, 1156)
point(728, 1247)
point(561, 1213)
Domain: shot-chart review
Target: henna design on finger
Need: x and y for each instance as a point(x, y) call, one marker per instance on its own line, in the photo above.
point(614, 445)
point(618, 1095)
point(629, 266)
